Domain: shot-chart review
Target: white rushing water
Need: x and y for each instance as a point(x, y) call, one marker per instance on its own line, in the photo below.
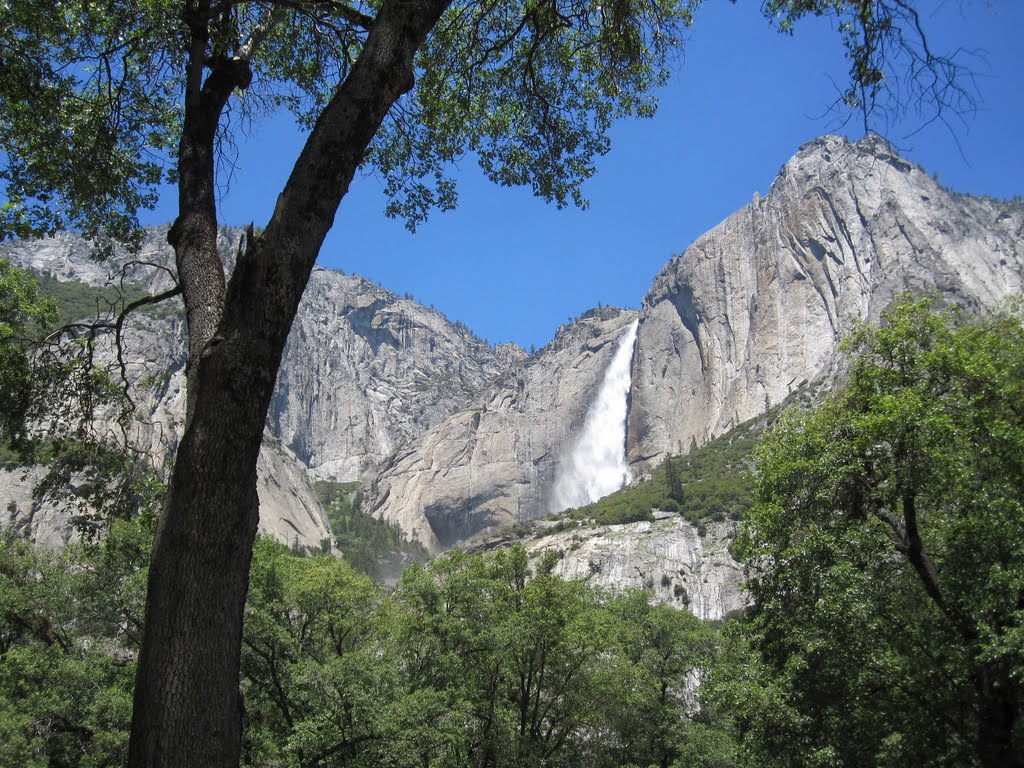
point(597, 464)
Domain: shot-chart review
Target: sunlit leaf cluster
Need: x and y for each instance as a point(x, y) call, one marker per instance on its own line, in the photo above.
point(87, 113)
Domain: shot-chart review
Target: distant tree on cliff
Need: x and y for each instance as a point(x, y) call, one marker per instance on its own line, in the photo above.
point(98, 100)
point(24, 316)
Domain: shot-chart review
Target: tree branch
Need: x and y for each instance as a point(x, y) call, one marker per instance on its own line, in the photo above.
point(916, 554)
point(92, 330)
point(908, 542)
point(258, 34)
point(119, 328)
point(345, 12)
point(346, 748)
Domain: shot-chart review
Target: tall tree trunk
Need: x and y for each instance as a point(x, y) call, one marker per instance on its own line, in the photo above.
point(188, 709)
point(998, 713)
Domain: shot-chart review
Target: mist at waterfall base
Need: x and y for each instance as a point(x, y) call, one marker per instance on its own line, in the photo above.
point(596, 466)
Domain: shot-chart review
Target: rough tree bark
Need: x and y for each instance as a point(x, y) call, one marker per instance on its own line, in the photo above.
point(998, 714)
point(187, 708)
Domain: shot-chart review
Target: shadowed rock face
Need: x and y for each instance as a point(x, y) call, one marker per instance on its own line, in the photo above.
point(757, 306)
point(364, 372)
point(493, 463)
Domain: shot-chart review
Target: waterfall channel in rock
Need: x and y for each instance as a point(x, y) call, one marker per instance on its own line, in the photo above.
point(597, 464)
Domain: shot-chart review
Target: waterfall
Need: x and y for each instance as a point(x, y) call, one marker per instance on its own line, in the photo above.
point(597, 464)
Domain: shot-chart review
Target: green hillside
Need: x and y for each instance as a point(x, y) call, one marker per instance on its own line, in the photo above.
point(712, 482)
point(369, 545)
point(80, 301)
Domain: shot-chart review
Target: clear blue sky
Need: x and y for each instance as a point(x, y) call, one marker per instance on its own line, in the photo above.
point(512, 268)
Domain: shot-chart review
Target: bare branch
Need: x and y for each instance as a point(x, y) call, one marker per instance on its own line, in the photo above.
point(119, 329)
point(894, 70)
point(92, 331)
point(143, 263)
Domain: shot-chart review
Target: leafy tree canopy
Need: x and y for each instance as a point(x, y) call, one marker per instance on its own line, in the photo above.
point(887, 553)
point(24, 316)
point(474, 661)
point(92, 97)
point(70, 626)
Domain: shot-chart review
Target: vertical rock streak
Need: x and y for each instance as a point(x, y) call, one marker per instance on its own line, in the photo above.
point(597, 464)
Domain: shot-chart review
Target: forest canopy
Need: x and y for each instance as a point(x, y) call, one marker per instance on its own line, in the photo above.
point(886, 553)
point(473, 660)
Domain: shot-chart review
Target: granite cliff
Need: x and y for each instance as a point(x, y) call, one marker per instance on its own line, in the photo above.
point(454, 438)
point(750, 313)
point(675, 562)
point(757, 306)
point(494, 462)
point(364, 372)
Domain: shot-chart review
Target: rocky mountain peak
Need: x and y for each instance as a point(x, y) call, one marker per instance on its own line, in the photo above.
point(458, 437)
point(365, 371)
point(755, 308)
